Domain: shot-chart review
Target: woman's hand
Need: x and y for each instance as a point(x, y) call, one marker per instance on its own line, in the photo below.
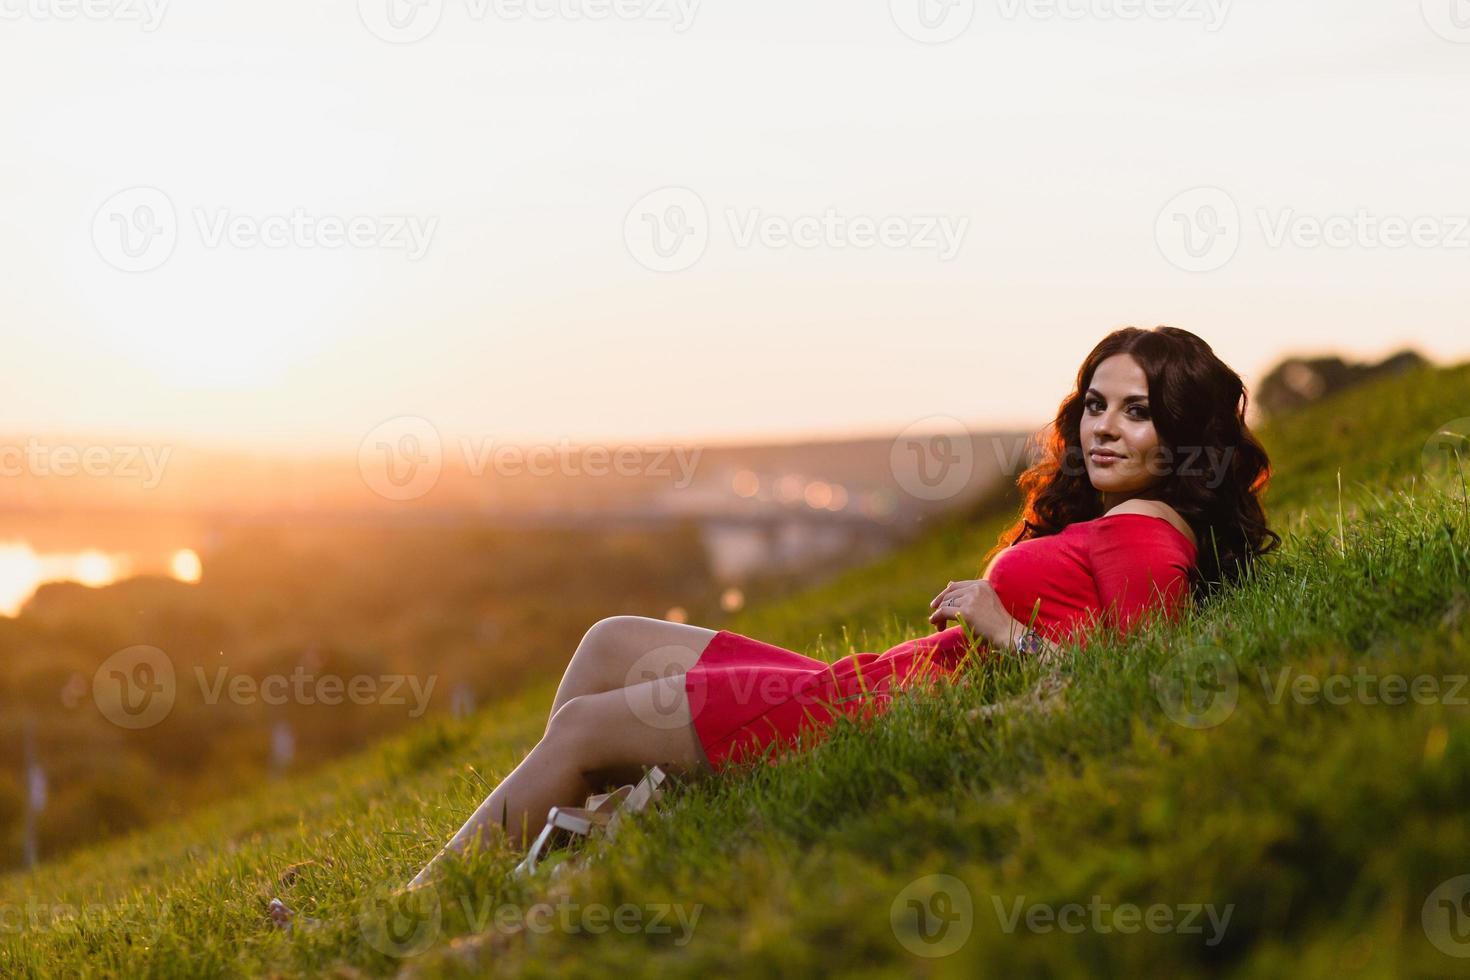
point(974, 603)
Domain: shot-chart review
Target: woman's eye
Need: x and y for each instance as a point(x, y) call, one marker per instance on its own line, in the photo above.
point(1136, 412)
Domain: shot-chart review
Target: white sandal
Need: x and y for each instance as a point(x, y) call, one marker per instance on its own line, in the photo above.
point(601, 816)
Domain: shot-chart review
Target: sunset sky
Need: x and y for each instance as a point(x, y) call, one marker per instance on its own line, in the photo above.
point(518, 147)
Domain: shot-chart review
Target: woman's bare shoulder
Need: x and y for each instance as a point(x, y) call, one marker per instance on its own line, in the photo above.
point(1155, 508)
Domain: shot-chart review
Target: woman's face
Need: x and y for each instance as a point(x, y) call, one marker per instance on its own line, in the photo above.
point(1119, 443)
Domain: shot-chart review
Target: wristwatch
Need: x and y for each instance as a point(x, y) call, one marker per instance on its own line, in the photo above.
point(1030, 642)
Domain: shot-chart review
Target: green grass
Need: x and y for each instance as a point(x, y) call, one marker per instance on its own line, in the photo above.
point(1321, 827)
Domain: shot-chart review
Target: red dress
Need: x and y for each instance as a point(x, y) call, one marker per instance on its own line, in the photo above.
point(747, 697)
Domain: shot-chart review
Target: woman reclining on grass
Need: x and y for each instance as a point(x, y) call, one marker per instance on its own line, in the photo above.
point(1147, 495)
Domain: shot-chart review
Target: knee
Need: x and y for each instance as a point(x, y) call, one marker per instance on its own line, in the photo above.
point(605, 632)
point(578, 731)
point(571, 724)
point(611, 641)
point(621, 624)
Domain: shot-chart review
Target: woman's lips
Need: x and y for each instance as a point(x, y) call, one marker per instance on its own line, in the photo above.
point(1103, 459)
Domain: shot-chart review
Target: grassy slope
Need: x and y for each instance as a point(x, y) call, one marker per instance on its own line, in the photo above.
point(1324, 826)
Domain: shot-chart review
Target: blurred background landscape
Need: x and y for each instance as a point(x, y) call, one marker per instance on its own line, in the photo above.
point(264, 566)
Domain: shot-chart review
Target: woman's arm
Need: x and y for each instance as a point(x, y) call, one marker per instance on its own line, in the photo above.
point(1009, 632)
point(975, 604)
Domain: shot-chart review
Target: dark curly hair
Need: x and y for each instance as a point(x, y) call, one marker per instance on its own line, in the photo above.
point(1198, 407)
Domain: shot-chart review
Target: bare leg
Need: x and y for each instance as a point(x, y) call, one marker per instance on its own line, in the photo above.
point(618, 732)
point(620, 651)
